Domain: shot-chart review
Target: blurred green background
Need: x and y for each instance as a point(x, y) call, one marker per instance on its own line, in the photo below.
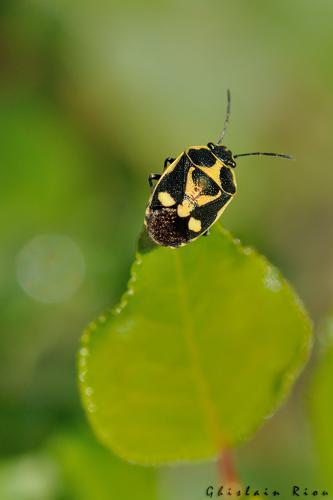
point(93, 97)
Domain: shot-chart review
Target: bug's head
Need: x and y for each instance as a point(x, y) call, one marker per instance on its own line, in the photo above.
point(223, 153)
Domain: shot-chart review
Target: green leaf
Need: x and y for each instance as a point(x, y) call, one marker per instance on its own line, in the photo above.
point(203, 346)
point(321, 402)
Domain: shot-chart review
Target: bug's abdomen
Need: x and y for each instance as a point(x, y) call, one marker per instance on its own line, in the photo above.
point(166, 228)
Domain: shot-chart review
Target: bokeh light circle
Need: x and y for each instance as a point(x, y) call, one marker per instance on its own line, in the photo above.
point(50, 268)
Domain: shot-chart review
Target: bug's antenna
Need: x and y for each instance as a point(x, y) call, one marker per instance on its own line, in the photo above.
point(279, 155)
point(227, 117)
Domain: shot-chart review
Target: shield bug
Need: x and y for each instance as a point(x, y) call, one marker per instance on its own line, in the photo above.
point(193, 191)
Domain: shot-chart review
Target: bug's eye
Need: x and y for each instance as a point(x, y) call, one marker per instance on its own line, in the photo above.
point(211, 145)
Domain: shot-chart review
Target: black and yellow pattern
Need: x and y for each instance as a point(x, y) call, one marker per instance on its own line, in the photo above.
point(191, 195)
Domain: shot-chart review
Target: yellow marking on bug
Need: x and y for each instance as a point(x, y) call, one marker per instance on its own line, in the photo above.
point(213, 172)
point(194, 225)
point(185, 208)
point(191, 189)
point(205, 198)
point(166, 199)
point(194, 190)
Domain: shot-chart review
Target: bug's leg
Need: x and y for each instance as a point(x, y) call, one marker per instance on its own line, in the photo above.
point(168, 162)
point(153, 177)
point(206, 233)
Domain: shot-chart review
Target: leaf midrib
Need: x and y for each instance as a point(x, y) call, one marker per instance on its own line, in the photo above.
point(208, 407)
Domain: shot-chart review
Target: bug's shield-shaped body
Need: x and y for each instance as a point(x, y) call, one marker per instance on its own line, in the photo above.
point(190, 196)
